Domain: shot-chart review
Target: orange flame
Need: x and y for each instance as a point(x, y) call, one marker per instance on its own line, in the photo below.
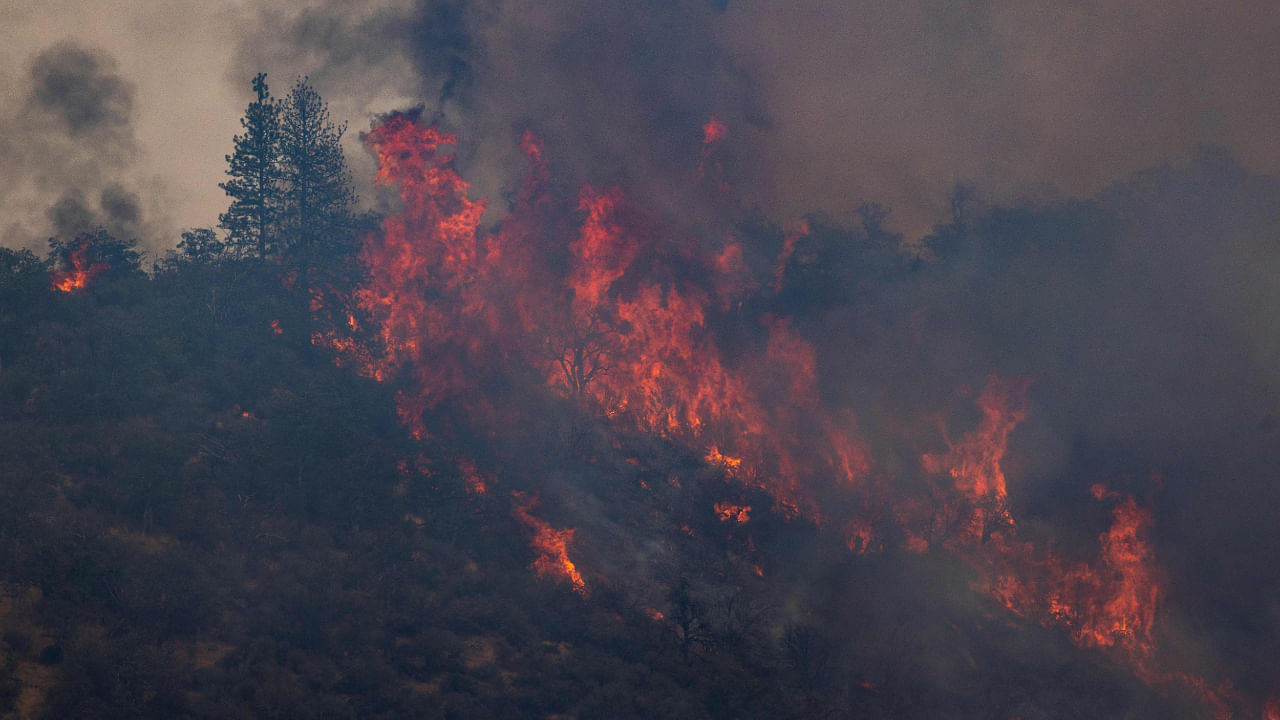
point(1114, 603)
point(859, 537)
point(715, 457)
point(1108, 604)
point(975, 461)
point(615, 327)
point(79, 272)
point(737, 513)
point(551, 546)
point(612, 318)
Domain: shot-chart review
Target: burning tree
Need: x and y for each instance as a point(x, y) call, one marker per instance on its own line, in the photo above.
point(582, 351)
point(89, 255)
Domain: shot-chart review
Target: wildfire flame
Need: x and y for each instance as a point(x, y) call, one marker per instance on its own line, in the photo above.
point(730, 512)
point(550, 545)
point(602, 304)
point(617, 328)
point(714, 131)
point(79, 271)
point(1110, 603)
point(974, 463)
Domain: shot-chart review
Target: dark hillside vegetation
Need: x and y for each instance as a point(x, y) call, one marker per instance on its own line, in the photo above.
point(203, 516)
point(578, 464)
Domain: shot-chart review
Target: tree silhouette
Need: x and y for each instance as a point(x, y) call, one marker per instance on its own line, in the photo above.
point(90, 255)
point(317, 197)
point(24, 283)
point(254, 187)
point(201, 245)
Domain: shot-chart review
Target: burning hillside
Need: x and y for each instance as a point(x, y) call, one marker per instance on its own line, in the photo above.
point(602, 384)
point(656, 331)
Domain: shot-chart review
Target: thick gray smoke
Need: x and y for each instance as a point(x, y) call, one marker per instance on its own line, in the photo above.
point(828, 104)
point(69, 149)
point(80, 88)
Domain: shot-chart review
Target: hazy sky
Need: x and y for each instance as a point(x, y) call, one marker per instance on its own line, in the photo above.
point(829, 104)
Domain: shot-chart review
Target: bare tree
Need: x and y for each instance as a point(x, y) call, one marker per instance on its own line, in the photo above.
point(582, 351)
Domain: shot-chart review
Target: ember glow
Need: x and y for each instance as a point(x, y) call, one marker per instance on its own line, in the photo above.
point(730, 512)
point(471, 476)
point(713, 134)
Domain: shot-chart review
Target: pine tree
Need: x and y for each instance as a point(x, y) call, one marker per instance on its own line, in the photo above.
point(252, 219)
point(317, 195)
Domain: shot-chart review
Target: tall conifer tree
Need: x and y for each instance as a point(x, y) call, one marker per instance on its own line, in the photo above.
point(251, 221)
point(317, 193)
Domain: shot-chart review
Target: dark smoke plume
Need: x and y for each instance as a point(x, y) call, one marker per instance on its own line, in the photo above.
point(830, 104)
point(71, 150)
point(80, 87)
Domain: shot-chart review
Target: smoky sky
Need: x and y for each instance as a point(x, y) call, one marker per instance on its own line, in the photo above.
point(829, 105)
point(79, 87)
point(70, 149)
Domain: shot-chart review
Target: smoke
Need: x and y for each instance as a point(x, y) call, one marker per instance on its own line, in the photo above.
point(893, 101)
point(81, 88)
point(619, 91)
point(1142, 317)
point(357, 55)
point(829, 104)
point(70, 150)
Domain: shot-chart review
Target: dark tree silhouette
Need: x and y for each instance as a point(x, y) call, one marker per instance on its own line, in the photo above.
point(317, 197)
point(201, 245)
point(24, 282)
point(98, 252)
point(254, 187)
